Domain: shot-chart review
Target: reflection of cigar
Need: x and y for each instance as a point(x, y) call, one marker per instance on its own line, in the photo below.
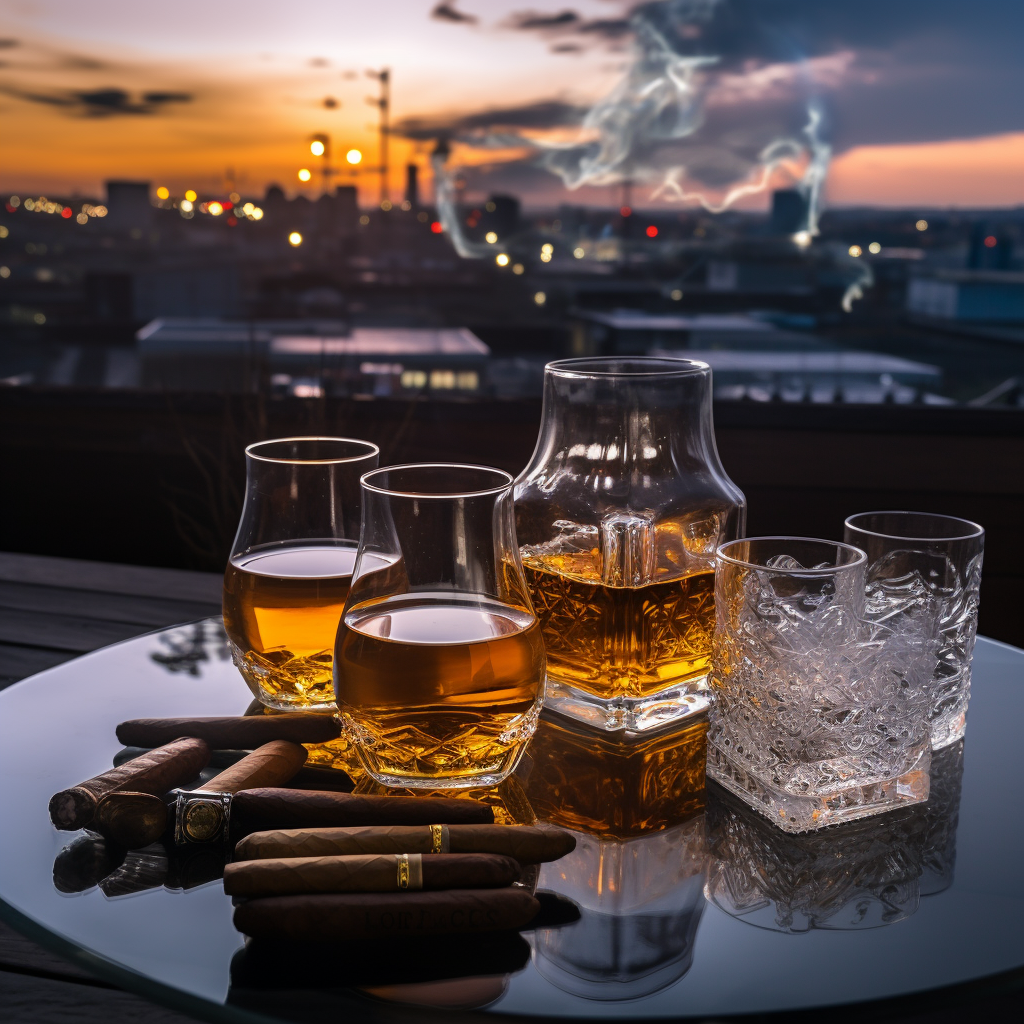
point(260, 809)
point(84, 862)
point(376, 915)
point(526, 843)
point(156, 772)
point(203, 815)
point(231, 733)
point(142, 869)
point(385, 872)
point(266, 964)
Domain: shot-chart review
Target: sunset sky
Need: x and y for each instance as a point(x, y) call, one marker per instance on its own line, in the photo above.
point(921, 101)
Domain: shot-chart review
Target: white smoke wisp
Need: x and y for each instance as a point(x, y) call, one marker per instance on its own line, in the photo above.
point(687, 125)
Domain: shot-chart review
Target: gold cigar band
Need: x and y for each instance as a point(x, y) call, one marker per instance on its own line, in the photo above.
point(403, 871)
point(439, 842)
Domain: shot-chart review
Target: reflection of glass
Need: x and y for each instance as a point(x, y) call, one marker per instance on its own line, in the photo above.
point(637, 872)
point(619, 514)
point(924, 574)
point(864, 874)
point(439, 666)
point(186, 648)
point(291, 563)
point(819, 716)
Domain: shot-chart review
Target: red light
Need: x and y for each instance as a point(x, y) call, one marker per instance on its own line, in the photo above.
point(232, 221)
point(66, 212)
point(9, 208)
point(626, 211)
point(228, 206)
point(436, 227)
point(991, 242)
point(652, 231)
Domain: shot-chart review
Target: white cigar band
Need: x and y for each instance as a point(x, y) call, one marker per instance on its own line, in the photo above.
point(439, 839)
point(410, 871)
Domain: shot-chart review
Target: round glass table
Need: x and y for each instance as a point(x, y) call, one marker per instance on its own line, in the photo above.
point(690, 905)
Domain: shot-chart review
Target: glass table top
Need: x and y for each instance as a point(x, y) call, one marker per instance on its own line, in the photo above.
point(690, 904)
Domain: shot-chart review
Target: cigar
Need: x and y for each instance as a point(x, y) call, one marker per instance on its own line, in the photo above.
point(528, 844)
point(375, 915)
point(266, 965)
point(259, 809)
point(231, 733)
point(131, 820)
point(204, 815)
point(84, 863)
point(156, 772)
point(382, 872)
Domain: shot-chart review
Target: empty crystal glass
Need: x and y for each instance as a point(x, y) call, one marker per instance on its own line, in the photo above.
point(819, 715)
point(439, 662)
point(924, 575)
point(619, 514)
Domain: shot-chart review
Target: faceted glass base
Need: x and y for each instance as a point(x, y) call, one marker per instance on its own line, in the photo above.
point(632, 714)
point(805, 812)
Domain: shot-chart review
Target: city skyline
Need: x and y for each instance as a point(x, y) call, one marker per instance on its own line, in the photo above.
point(918, 113)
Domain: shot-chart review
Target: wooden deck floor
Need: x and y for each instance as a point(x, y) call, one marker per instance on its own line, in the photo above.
point(52, 610)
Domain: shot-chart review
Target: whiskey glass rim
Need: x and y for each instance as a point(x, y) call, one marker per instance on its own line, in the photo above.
point(968, 529)
point(502, 481)
point(857, 558)
point(362, 450)
point(626, 367)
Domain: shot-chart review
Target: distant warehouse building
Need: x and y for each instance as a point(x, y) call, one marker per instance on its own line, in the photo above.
point(967, 296)
point(308, 358)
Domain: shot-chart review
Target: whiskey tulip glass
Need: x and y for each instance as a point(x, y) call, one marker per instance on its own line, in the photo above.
point(619, 514)
point(290, 566)
point(820, 716)
point(439, 662)
point(924, 574)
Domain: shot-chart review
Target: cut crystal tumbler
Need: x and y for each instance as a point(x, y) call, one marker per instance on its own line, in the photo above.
point(439, 662)
point(619, 514)
point(819, 716)
point(290, 565)
point(924, 575)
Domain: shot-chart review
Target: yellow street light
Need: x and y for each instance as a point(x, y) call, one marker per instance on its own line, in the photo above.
point(491, 237)
point(304, 174)
point(295, 239)
point(353, 156)
point(501, 259)
point(316, 147)
point(191, 196)
point(163, 193)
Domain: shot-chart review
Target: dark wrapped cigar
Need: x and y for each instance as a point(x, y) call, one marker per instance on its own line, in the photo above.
point(231, 733)
point(131, 820)
point(385, 872)
point(528, 844)
point(156, 772)
point(267, 965)
point(376, 915)
point(85, 862)
point(260, 809)
point(204, 815)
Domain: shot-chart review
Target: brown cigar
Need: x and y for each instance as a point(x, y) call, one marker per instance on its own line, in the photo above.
point(388, 872)
point(231, 733)
point(156, 772)
point(526, 843)
point(375, 915)
point(260, 809)
point(203, 815)
point(131, 820)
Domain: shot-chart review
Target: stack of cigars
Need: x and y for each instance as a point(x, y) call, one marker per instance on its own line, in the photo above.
point(312, 863)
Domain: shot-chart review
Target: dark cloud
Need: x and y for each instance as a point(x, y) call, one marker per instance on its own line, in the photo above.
point(449, 12)
point(105, 102)
point(319, 62)
point(546, 114)
point(566, 48)
point(532, 21)
point(7, 44)
point(331, 103)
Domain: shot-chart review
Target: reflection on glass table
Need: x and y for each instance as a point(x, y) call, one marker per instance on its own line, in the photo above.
point(637, 872)
point(865, 874)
